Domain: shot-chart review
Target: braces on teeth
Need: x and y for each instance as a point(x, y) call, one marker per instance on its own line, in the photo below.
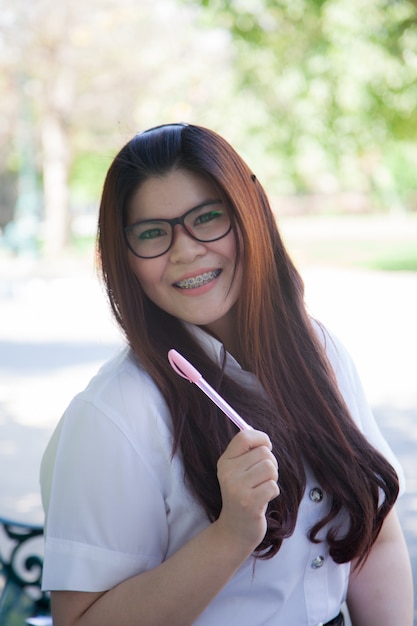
point(198, 281)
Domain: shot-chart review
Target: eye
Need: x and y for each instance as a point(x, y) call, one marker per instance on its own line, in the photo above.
point(208, 216)
point(151, 233)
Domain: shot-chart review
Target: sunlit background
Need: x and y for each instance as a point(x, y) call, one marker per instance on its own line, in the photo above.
point(320, 99)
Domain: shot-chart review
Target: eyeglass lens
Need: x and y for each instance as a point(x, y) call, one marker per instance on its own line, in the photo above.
point(151, 238)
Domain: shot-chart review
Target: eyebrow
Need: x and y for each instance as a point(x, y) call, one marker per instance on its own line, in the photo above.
point(168, 219)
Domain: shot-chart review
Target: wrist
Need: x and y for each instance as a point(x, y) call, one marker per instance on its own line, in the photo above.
point(232, 543)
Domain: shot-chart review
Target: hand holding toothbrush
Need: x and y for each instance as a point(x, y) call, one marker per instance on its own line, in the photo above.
point(247, 470)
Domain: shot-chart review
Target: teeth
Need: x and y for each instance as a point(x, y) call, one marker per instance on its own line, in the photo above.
point(197, 281)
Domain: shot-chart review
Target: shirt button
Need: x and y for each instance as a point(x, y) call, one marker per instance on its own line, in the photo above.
point(316, 494)
point(317, 562)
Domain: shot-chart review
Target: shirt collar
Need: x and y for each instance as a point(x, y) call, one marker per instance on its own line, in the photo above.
point(211, 346)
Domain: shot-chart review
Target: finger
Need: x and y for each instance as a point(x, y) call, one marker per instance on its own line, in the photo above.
point(245, 441)
point(262, 472)
point(257, 455)
point(266, 492)
point(256, 499)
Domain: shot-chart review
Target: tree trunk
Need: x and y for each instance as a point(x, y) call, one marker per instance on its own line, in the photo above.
point(55, 166)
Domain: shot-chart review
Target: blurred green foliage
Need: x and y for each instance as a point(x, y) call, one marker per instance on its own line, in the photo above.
point(87, 175)
point(374, 242)
point(337, 84)
point(318, 96)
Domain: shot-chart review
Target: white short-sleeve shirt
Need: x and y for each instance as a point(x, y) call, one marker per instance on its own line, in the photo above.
point(116, 504)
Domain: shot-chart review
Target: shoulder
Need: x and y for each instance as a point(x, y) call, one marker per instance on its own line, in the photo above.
point(121, 408)
point(339, 358)
point(353, 393)
point(119, 421)
point(123, 393)
point(120, 375)
point(346, 375)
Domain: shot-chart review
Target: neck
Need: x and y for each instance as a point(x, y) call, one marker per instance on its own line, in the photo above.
point(224, 330)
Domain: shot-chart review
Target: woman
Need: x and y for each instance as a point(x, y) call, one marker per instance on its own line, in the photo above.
point(157, 511)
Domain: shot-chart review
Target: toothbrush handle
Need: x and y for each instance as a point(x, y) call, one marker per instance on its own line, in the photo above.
point(223, 405)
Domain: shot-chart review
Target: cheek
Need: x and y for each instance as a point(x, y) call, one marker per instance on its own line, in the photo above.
point(227, 247)
point(144, 271)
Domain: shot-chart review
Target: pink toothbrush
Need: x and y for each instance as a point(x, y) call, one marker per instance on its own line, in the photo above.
point(180, 365)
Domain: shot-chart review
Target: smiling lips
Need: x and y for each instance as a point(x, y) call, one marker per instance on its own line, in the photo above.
point(197, 281)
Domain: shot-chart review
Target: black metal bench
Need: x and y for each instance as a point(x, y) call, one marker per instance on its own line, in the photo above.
point(21, 561)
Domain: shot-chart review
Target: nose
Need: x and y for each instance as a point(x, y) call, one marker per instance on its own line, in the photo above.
point(184, 247)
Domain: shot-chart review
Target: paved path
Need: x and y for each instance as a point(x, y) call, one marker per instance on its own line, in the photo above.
point(55, 331)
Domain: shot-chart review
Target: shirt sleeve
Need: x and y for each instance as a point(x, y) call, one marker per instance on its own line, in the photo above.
point(106, 515)
point(353, 393)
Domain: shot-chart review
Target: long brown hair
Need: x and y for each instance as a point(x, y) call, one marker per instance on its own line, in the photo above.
point(302, 409)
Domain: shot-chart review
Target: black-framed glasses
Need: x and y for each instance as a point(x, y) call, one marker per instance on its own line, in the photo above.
point(148, 239)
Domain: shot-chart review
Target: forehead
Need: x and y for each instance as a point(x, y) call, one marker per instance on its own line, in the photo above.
point(170, 195)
